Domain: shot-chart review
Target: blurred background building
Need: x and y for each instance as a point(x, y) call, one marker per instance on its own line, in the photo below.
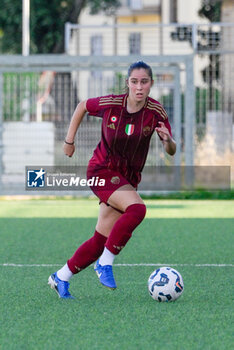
point(189, 45)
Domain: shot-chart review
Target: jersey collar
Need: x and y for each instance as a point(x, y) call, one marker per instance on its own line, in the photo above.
point(124, 104)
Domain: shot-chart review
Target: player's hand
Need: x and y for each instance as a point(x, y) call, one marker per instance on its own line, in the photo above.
point(68, 149)
point(163, 132)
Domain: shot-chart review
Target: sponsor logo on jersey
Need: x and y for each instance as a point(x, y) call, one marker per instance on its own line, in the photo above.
point(111, 126)
point(129, 129)
point(115, 180)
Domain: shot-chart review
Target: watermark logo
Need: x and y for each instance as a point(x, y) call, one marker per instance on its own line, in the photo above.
point(36, 178)
point(60, 178)
point(154, 178)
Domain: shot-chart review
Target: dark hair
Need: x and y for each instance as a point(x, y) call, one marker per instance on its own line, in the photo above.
point(139, 65)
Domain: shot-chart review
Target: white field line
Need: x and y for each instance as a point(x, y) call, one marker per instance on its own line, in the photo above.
point(124, 265)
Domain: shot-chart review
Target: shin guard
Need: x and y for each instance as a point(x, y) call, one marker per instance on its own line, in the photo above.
point(87, 253)
point(124, 226)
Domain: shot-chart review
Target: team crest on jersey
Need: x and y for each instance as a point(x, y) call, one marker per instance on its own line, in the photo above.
point(129, 129)
point(146, 130)
point(115, 180)
point(114, 119)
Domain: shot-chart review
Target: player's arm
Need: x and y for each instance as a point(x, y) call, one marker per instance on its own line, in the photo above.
point(168, 142)
point(78, 115)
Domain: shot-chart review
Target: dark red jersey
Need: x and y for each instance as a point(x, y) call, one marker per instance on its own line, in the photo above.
point(125, 136)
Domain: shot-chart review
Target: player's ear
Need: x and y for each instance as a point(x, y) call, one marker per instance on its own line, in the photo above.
point(126, 86)
point(152, 82)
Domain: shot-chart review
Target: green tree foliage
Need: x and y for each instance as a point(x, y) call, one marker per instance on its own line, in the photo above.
point(10, 26)
point(47, 20)
point(211, 9)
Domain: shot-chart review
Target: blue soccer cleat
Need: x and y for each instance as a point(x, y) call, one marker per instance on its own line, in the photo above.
point(61, 287)
point(105, 275)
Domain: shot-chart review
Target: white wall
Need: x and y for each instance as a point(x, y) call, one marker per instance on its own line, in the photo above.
point(187, 11)
point(27, 144)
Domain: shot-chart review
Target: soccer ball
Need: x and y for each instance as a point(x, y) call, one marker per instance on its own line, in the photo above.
point(165, 284)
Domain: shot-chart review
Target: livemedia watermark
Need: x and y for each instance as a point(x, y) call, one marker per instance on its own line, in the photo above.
point(154, 178)
point(53, 178)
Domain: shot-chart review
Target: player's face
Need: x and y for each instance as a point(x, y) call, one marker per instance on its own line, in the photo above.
point(139, 84)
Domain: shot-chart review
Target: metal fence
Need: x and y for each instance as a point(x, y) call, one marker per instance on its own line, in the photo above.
point(193, 67)
point(148, 39)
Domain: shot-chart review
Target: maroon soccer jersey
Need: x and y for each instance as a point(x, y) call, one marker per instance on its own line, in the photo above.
point(125, 136)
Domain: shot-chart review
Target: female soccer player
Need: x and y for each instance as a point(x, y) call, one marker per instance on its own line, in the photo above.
point(128, 122)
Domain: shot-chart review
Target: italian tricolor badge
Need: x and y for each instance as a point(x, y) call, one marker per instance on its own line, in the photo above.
point(129, 129)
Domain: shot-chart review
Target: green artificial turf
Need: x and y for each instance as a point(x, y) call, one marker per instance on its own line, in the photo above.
point(38, 236)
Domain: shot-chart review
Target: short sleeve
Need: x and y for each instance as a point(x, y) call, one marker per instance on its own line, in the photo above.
point(93, 108)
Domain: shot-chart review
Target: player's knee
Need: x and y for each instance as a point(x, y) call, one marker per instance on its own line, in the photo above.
point(137, 211)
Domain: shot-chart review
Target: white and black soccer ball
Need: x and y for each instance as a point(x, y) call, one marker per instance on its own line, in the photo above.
point(165, 284)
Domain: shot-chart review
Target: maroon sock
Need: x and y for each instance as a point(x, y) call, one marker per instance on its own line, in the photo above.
point(124, 226)
point(87, 253)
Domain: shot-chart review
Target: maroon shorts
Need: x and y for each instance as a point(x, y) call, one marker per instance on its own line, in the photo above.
point(105, 182)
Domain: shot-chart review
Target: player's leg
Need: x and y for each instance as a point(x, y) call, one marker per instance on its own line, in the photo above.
point(129, 202)
point(106, 219)
point(87, 253)
point(123, 197)
point(90, 250)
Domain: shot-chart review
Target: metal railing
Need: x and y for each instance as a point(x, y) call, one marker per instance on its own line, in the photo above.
point(193, 68)
point(161, 39)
